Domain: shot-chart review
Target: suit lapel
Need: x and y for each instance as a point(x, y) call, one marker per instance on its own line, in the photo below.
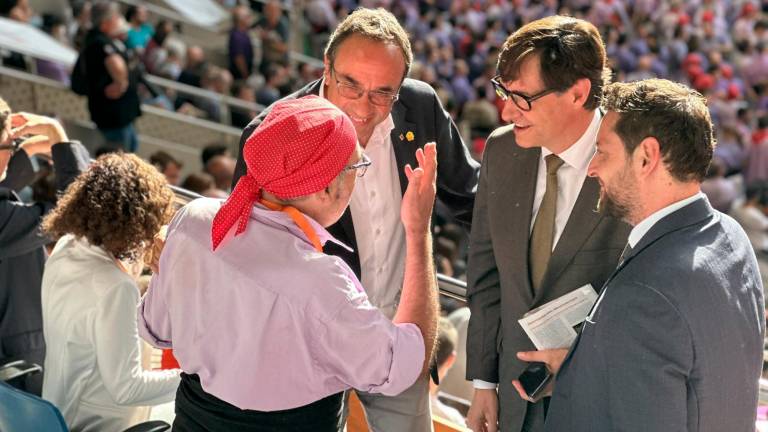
point(405, 150)
point(580, 225)
point(515, 188)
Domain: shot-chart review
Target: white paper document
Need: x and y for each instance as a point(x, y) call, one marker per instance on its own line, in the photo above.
point(552, 325)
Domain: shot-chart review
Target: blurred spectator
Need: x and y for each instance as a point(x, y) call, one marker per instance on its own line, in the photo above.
point(22, 254)
point(167, 165)
point(113, 100)
point(174, 61)
point(273, 31)
point(751, 215)
point(222, 168)
point(212, 150)
point(16, 10)
point(275, 77)
point(54, 26)
point(240, 46)
point(217, 80)
point(203, 184)
point(155, 53)
point(240, 116)
point(757, 154)
point(103, 223)
point(78, 28)
point(445, 356)
point(140, 32)
point(455, 382)
point(721, 191)
point(195, 66)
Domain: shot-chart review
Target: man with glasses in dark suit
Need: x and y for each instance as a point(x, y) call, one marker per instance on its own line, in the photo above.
point(535, 234)
point(366, 62)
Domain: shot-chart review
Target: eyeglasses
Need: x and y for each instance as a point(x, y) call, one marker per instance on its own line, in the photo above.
point(520, 100)
point(361, 166)
point(353, 91)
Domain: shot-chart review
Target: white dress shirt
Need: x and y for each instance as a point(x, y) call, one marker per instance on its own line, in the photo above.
point(570, 179)
point(379, 232)
point(93, 370)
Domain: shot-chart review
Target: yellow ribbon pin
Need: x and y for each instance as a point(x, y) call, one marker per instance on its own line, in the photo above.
point(409, 136)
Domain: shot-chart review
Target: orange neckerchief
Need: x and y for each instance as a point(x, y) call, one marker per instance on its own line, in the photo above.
point(299, 219)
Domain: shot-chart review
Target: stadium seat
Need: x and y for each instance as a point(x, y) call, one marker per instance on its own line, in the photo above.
point(21, 411)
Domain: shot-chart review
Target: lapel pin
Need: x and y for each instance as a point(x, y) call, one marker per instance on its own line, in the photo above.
point(409, 136)
point(401, 137)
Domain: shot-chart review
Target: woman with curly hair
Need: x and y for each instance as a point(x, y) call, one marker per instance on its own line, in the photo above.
point(93, 371)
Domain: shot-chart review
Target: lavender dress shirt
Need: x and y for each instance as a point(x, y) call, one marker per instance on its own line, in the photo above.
point(267, 322)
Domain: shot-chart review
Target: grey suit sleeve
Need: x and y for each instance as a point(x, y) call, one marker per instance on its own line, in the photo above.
point(483, 292)
point(649, 352)
point(457, 172)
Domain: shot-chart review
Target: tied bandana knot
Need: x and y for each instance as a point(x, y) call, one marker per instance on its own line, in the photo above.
point(299, 148)
point(237, 209)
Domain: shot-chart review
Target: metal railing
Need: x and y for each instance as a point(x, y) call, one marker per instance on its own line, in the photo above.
point(448, 286)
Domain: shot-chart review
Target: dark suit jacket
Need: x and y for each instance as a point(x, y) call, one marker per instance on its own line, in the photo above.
point(418, 110)
point(499, 288)
point(676, 341)
point(22, 257)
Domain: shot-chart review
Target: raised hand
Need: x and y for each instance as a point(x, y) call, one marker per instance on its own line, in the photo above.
point(419, 198)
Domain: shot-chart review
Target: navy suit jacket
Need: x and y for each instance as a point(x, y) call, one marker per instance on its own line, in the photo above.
point(418, 111)
point(675, 343)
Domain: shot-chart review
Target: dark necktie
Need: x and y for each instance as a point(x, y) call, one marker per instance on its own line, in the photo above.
point(542, 237)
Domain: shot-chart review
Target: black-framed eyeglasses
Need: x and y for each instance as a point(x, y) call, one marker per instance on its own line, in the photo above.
point(361, 166)
point(520, 100)
point(353, 91)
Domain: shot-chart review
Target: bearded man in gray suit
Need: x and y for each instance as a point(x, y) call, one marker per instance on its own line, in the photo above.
point(535, 234)
point(675, 340)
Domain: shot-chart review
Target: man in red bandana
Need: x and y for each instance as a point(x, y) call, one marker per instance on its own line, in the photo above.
point(268, 329)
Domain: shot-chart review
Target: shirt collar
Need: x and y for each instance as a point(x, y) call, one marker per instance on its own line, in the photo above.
point(262, 214)
point(641, 229)
point(382, 130)
point(580, 153)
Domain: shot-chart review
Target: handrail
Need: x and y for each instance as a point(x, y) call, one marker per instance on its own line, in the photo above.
point(447, 285)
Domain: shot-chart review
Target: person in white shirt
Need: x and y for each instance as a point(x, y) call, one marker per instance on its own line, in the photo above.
point(93, 370)
point(445, 357)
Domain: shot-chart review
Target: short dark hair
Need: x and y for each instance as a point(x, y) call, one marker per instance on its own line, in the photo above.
point(376, 24)
point(674, 114)
point(161, 160)
point(212, 150)
point(568, 50)
point(119, 204)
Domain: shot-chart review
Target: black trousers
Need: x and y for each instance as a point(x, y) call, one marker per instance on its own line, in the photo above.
point(197, 410)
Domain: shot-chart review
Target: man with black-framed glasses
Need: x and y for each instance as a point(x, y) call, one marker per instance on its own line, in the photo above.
point(366, 63)
point(535, 234)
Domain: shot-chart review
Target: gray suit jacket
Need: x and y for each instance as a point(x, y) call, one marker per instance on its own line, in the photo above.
point(676, 341)
point(499, 288)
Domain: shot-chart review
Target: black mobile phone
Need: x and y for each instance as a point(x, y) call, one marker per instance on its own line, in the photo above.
point(534, 379)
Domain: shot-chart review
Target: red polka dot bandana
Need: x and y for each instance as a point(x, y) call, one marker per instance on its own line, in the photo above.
point(299, 148)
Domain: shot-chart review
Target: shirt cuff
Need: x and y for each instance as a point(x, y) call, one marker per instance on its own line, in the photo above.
point(483, 385)
point(407, 360)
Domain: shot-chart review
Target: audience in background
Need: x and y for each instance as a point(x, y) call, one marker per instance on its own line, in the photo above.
point(445, 356)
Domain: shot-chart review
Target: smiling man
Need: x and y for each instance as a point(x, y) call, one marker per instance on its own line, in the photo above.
point(366, 63)
point(675, 340)
point(535, 234)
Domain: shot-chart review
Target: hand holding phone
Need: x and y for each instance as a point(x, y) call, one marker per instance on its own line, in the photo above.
point(534, 380)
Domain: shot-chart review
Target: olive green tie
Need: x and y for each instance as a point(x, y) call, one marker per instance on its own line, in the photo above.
point(542, 237)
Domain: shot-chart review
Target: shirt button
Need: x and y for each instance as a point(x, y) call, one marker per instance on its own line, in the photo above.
point(378, 231)
point(373, 194)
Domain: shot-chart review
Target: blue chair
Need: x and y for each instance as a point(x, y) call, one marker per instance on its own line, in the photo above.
point(21, 411)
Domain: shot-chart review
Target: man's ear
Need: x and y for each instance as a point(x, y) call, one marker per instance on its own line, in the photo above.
point(580, 91)
point(647, 156)
point(326, 68)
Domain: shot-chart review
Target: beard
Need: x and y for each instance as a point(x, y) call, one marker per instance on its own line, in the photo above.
point(608, 205)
